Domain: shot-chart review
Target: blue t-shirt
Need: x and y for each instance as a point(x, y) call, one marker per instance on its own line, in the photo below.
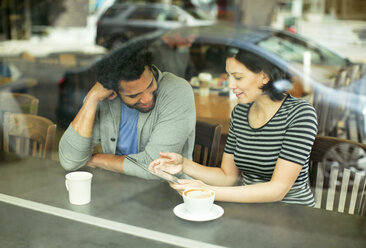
point(127, 134)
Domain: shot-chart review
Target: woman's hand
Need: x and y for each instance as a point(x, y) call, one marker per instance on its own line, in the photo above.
point(184, 184)
point(171, 163)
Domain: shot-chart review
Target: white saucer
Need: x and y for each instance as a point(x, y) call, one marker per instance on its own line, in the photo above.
point(181, 212)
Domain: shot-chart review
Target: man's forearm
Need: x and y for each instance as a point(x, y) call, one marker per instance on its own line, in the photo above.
point(84, 120)
point(108, 162)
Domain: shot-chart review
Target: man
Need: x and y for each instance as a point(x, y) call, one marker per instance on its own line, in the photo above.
point(134, 109)
point(174, 48)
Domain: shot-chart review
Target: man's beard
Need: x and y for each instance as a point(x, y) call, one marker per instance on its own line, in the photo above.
point(142, 110)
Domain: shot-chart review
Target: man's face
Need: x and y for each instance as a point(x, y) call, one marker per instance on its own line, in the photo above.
point(139, 94)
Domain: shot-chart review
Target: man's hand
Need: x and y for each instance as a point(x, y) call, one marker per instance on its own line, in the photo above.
point(98, 93)
point(84, 120)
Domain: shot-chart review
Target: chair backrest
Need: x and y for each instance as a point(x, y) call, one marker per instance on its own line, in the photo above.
point(16, 103)
point(29, 135)
point(331, 104)
point(358, 89)
point(338, 174)
point(322, 101)
point(344, 100)
point(207, 143)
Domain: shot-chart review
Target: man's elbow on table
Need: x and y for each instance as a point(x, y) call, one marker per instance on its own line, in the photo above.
point(69, 165)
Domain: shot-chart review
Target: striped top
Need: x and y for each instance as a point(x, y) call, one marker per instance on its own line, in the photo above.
point(289, 135)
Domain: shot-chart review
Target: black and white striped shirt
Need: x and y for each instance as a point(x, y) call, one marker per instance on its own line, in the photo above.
point(289, 135)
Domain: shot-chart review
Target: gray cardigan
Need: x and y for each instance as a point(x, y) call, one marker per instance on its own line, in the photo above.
point(169, 127)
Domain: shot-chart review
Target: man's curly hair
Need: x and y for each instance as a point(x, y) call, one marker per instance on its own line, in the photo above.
point(127, 64)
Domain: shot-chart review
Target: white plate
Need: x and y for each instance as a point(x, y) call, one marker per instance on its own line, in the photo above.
point(181, 212)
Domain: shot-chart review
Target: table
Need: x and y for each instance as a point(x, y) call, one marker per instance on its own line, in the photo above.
point(215, 109)
point(22, 84)
point(131, 212)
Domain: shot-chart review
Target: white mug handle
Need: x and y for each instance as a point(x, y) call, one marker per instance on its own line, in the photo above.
point(66, 185)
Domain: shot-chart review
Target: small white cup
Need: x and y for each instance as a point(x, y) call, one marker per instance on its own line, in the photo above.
point(78, 184)
point(204, 91)
point(198, 201)
point(205, 80)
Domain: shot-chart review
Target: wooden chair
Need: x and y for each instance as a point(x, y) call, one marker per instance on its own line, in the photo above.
point(338, 174)
point(346, 118)
point(322, 102)
point(207, 143)
point(357, 118)
point(16, 103)
point(29, 135)
point(338, 106)
point(360, 116)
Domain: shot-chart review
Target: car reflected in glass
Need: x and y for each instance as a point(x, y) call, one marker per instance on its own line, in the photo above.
point(122, 22)
point(189, 51)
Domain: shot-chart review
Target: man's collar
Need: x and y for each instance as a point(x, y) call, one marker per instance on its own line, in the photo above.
point(157, 73)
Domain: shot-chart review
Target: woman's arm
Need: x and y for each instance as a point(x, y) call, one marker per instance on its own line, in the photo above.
point(174, 163)
point(284, 176)
point(226, 175)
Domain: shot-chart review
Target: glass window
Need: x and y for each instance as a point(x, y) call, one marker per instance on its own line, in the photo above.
point(324, 64)
point(112, 12)
point(292, 50)
point(49, 61)
point(143, 13)
point(171, 15)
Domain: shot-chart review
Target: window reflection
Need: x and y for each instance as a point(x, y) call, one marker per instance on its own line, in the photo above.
point(333, 83)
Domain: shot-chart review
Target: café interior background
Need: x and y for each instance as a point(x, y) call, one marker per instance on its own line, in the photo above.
point(41, 40)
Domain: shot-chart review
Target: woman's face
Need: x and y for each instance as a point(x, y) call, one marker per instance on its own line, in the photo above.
point(244, 83)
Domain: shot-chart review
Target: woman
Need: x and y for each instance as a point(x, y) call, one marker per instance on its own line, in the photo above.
point(269, 142)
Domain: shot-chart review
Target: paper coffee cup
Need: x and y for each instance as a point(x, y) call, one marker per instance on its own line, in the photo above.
point(204, 91)
point(205, 81)
point(198, 201)
point(205, 77)
point(78, 184)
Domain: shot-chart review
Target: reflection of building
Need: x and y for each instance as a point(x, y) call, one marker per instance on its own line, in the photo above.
point(289, 12)
point(340, 9)
point(20, 18)
point(232, 10)
point(347, 9)
point(15, 19)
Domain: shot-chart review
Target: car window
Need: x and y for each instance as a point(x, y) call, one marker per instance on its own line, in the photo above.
point(144, 13)
point(197, 14)
point(156, 14)
point(324, 64)
point(208, 57)
point(171, 15)
point(112, 12)
point(293, 50)
point(188, 61)
point(4, 70)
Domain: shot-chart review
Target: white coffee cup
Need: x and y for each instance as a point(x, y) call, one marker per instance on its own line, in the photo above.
point(198, 201)
point(204, 91)
point(205, 81)
point(78, 184)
